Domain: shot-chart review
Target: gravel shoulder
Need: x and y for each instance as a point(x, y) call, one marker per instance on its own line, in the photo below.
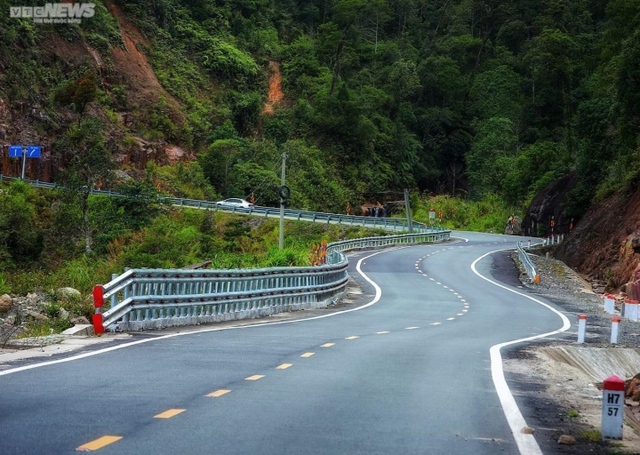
point(557, 381)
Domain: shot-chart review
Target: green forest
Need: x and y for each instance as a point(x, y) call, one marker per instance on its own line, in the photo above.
point(484, 101)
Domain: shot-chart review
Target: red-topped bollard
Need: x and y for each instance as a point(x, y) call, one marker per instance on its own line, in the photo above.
point(615, 325)
point(612, 407)
point(631, 309)
point(609, 303)
point(98, 301)
point(582, 326)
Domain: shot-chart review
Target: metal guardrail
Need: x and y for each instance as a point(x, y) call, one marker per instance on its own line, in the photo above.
point(388, 224)
point(528, 265)
point(155, 298)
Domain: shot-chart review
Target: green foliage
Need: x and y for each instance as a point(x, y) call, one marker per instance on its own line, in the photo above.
point(286, 258)
point(4, 285)
point(535, 167)
point(77, 93)
point(487, 215)
point(492, 100)
point(21, 231)
point(492, 155)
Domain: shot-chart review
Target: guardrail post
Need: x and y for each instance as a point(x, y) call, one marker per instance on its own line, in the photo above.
point(609, 304)
point(615, 323)
point(631, 309)
point(98, 302)
point(582, 324)
point(612, 408)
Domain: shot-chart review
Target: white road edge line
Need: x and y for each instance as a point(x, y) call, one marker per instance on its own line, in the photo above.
point(375, 300)
point(527, 445)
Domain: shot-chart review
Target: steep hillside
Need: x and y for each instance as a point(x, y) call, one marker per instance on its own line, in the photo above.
point(605, 244)
point(489, 100)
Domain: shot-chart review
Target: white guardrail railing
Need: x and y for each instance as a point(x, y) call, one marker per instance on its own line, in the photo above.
point(387, 224)
point(528, 265)
point(141, 299)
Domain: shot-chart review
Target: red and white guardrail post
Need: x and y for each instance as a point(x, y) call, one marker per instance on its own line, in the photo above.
point(631, 309)
point(612, 408)
point(615, 323)
point(609, 303)
point(98, 301)
point(582, 326)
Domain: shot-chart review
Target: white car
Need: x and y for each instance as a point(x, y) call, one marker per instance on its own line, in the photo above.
point(235, 202)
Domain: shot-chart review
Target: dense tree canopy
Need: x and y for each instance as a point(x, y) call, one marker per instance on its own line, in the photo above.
point(472, 97)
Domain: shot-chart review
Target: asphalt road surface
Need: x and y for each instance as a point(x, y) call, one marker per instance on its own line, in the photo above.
point(414, 369)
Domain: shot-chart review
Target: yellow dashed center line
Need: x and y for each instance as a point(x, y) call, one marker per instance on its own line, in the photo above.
point(307, 354)
point(327, 345)
point(284, 366)
point(255, 377)
point(169, 413)
point(218, 393)
point(98, 443)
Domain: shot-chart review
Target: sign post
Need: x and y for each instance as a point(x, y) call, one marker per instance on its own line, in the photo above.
point(612, 408)
point(24, 151)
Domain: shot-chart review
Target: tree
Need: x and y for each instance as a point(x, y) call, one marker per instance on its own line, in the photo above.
point(77, 93)
point(218, 161)
point(21, 236)
point(492, 155)
point(87, 165)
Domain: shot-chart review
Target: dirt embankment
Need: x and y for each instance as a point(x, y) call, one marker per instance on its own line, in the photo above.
point(604, 247)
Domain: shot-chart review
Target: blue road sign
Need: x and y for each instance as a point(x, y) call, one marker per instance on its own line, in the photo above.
point(33, 151)
point(15, 151)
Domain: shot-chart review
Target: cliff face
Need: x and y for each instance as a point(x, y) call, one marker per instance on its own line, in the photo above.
point(545, 215)
point(604, 246)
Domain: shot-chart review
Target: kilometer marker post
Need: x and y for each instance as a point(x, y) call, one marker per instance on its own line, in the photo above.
point(612, 408)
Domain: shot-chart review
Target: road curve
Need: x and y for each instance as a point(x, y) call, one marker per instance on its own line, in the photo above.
point(413, 369)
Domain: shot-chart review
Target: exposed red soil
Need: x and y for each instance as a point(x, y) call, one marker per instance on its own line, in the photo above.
point(133, 65)
point(601, 247)
point(275, 88)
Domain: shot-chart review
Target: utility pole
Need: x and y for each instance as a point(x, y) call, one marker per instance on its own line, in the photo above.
point(407, 205)
point(284, 194)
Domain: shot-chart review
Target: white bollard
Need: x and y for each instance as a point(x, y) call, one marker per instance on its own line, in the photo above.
point(609, 304)
point(612, 408)
point(615, 323)
point(582, 325)
point(631, 309)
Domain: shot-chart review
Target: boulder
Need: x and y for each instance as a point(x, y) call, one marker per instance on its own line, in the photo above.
point(566, 439)
point(5, 303)
point(68, 292)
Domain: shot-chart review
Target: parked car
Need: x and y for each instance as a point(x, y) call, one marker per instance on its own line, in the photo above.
point(235, 202)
